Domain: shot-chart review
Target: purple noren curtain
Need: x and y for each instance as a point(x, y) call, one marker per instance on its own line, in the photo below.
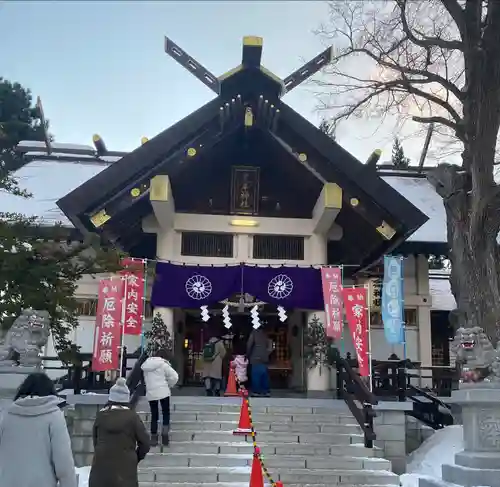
point(290, 287)
point(184, 286)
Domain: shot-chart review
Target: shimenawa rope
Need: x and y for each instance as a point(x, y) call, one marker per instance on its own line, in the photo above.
point(256, 449)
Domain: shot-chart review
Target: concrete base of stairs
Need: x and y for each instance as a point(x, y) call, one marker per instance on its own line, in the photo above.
point(242, 474)
point(240, 484)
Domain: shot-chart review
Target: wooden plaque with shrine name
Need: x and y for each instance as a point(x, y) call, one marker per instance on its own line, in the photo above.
point(245, 190)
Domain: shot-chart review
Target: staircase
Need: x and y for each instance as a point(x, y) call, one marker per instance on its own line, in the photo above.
point(303, 442)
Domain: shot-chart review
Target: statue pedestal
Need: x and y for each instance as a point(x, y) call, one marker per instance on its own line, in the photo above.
point(11, 377)
point(479, 462)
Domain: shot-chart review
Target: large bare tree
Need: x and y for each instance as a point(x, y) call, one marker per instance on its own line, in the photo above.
point(434, 61)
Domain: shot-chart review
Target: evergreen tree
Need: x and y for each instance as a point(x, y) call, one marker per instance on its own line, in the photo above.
point(399, 159)
point(439, 262)
point(38, 267)
point(328, 128)
point(158, 338)
point(318, 348)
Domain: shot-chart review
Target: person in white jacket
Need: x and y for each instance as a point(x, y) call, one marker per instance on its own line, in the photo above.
point(159, 378)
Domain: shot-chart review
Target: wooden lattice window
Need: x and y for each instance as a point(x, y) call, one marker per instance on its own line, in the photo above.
point(278, 247)
point(201, 244)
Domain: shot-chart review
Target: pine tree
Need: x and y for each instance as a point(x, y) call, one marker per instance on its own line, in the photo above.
point(38, 267)
point(319, 349)
point(399, 159)
point(158, 338)
point(328, 128)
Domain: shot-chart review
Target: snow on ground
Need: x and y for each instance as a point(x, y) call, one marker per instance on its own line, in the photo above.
point(83, 476)
point(426, 461)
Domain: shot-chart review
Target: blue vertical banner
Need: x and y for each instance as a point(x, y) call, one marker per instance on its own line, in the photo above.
point(393, 300)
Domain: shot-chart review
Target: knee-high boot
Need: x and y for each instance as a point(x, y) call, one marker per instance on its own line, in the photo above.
point(165, 439)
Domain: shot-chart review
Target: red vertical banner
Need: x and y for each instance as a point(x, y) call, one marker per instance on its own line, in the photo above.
point(331, 280)
point(134, 273)
point(356, 310)
point(107, 332)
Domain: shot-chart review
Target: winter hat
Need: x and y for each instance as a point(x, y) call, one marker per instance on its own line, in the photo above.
point(119, 392)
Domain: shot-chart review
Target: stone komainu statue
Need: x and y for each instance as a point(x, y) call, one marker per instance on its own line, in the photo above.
point(25, 339)
point(475, 355)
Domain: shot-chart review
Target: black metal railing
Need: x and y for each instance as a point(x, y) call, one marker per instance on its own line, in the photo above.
point(429, 409)
point(78, 376)
point(401, 380)
point(360, 401)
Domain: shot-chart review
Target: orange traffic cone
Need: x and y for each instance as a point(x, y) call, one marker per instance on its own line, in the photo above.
point(256, 477)
point(244, 425)
point(231, 384)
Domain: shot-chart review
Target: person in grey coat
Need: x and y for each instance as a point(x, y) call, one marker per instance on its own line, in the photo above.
point(35, 447)
point(259, 347)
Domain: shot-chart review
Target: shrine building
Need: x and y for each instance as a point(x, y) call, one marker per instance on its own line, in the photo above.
point(240, 203)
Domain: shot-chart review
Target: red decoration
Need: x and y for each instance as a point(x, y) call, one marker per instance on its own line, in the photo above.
point(356, 310)
point(107, 327)
point(134, 273)
point(331, 280)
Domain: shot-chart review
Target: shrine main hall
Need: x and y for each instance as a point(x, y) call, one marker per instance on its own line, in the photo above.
point(237, 206)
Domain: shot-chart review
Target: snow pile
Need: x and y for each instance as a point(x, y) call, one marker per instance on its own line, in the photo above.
point(427, 460)
point(83, 476)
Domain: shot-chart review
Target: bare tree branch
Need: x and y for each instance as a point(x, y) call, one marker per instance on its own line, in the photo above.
point(434, 61)
point(457, 14)
point(435, 119)
point(427, 42)
point(418, 73)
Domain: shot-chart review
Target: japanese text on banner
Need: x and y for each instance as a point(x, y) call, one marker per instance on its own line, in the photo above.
point(331, 280)
point(356, 310)
point(107, 327)
point(393, 300)
point(134, 296)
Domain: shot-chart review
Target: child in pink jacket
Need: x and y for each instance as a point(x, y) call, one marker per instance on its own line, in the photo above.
point(240, 365)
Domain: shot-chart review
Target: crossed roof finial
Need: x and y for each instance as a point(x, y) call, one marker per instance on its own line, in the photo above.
point(250, 59)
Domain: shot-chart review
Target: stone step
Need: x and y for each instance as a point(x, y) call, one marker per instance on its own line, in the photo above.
point(198, 426)
point(285, 463)
point(233, 405)
point(258, 417)
point(276, 462)
point(237, 484)
point(353, 450)
point(270, 437)
point(203, 475)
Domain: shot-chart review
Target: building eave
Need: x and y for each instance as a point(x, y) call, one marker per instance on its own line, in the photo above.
point(341, 164)
point(116, 176)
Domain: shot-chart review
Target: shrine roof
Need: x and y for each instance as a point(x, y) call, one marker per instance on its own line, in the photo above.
point(418, 190)
point(44, 202)
point(440, 290)
point(381, 212)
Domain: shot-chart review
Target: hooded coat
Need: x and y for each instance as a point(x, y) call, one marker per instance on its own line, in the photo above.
point(120, 443)
point(35, 446)
point(213, 368)
point(159, 378)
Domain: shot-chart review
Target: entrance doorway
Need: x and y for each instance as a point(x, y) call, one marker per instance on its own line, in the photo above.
point(198, 332)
